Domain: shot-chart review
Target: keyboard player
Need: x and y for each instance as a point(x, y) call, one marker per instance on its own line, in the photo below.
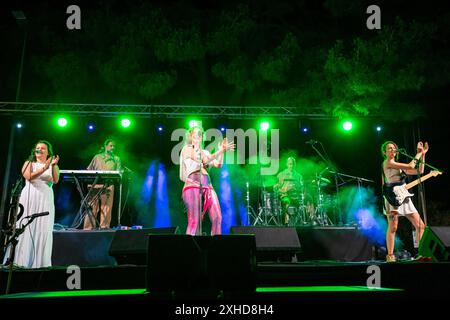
point(101, 196)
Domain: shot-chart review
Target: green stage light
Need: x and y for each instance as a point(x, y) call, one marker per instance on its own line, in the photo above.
point(62, 122)
point(195, 123)
point(125, 122)
point(264, 125)
point(347, 125)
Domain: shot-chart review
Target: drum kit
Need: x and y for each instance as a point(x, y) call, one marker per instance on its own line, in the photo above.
point(305, 204)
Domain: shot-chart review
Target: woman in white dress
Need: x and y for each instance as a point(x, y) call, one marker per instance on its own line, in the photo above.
point(393, 172)
point(34, 247)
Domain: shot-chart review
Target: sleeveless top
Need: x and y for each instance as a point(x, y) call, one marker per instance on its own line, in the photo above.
point(391, 174)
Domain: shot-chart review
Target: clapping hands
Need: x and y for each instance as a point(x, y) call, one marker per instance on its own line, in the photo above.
point(422, 148)
point(51, 161)
point(55, 160)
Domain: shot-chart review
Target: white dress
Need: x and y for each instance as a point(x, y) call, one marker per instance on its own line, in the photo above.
point(34, 248)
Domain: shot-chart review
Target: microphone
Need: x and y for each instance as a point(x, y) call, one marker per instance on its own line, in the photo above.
point(311, 142)
point(40, 214)
point(38, 151)
point(399, 150)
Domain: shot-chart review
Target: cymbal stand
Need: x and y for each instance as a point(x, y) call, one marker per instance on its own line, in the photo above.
point(270, 209)
point(320, 213)
point(255, 218)
point(301, 214)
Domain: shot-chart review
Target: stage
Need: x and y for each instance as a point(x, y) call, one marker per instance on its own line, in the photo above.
point(288, 277)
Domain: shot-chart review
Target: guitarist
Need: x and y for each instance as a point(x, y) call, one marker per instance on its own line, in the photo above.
point(394, 171)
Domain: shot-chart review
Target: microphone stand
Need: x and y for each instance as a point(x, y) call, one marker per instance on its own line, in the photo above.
point(13, 240)
point(199, 225)
point(336, 176)
point(419, 177)
point(14, 209)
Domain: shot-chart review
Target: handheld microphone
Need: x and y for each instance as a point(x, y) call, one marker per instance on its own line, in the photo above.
point(40, 214)
point(311, 142)
point(38, 151)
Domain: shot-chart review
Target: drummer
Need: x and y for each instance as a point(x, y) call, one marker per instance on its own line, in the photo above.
point(289, 188)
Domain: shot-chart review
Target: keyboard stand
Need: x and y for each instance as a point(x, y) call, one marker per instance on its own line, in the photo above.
point(85, 207)
point(93, 178)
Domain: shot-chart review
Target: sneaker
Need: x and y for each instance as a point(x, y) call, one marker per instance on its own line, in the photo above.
point(391, 258)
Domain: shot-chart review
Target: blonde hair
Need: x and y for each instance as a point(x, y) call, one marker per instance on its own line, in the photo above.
point(189, 133)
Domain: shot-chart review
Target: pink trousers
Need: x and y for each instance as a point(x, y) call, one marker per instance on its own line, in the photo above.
point(191, 198)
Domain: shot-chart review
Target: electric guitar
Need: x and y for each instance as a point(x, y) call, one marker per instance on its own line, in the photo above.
point(397, 192)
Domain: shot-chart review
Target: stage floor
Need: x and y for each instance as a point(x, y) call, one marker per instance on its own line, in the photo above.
point(289, 286)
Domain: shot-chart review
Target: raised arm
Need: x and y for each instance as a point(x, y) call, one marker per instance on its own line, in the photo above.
point(55, 169)
point(408, 168)
point(216, 159)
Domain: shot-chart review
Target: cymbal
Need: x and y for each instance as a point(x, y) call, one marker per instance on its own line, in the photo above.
point(268, 181)
point(322, 181)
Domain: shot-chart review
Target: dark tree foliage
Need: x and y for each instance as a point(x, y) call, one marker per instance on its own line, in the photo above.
point(314, 55)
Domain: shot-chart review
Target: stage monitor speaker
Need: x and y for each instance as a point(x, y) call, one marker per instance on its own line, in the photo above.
point(272, 243)
point(185, 263)
point(435, 243)
point(130, 246)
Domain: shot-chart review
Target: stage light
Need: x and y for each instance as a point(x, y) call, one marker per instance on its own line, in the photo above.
point(379, 128)
point(62, 122)
point(195, 123)
point(160, 129)
point(125, 122)
point(264, 125)
point(19, 125)
point(90, 126)
point(305, 130)
point(347, 125)
point(222, 129)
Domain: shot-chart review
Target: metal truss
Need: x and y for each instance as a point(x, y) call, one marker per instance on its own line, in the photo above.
point(148, 111)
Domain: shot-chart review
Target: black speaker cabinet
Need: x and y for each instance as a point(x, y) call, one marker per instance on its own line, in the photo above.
point(201, 263)
point(131, 246)
point(273, 243)
point(435, 243)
